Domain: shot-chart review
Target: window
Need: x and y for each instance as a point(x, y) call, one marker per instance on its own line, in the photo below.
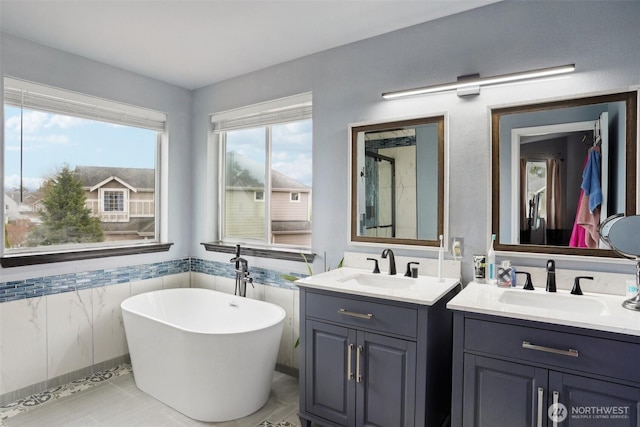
point(113, 201)
point(266, 161)
point(80, 172)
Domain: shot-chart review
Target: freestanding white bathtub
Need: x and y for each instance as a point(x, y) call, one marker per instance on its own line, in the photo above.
point(207, 354)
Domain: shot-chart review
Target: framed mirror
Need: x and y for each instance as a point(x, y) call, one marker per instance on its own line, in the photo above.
point(397, 182)
point(559, 169)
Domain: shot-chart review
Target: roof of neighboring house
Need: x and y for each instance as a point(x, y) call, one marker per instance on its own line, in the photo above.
point(134, 225)
point(280, 181)
point(247, 173)
point(28, 197)
point(12, 209)
point(138, 178)
point(290, 226)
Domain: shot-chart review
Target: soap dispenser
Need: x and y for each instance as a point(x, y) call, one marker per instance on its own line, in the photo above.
point(551, 276)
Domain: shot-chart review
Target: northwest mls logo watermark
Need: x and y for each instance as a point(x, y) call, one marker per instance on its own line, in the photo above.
point(558, 413)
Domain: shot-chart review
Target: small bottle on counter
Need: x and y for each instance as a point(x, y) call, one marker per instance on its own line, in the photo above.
point(504, 274)
point(479, 268)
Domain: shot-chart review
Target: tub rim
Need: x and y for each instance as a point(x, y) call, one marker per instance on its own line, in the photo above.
point(282, 312)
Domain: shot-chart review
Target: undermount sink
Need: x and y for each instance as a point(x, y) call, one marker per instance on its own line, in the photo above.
point(378, 281)
point(553, 301)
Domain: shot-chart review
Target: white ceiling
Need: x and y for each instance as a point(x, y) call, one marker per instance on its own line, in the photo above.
point(196, 43)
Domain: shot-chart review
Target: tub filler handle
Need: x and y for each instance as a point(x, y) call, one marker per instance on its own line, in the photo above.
point(367, 316)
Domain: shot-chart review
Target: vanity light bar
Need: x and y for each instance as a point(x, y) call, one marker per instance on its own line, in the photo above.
point(483, 81)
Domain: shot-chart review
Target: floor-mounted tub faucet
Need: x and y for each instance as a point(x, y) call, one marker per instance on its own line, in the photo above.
point(392, 260)
point(242, 273)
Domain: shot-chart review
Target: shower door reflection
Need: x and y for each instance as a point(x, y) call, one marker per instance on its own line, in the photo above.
point(380, 195)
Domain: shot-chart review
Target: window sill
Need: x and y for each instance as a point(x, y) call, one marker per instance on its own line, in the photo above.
point(51, 257)
point(262, 252)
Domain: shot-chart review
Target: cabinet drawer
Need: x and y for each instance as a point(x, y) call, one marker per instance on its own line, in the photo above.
point(560, 349)
point(363, 314)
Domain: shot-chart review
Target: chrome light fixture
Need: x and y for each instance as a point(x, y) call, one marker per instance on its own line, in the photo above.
point(470, 85)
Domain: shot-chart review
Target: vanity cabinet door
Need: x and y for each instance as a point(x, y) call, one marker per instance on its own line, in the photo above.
point(501, 393)
point(330, 369)
point(386, 389)
point(589, 402)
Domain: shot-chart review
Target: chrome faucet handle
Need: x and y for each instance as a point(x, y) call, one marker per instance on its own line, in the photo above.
point(376, 269)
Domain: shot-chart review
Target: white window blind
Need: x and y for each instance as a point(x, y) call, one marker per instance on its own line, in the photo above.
point(283, 110)
point(21, 93)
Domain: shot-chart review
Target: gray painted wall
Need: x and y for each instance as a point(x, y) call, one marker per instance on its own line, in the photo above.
point(600, 37)
point(29, 61)
point(496, 39)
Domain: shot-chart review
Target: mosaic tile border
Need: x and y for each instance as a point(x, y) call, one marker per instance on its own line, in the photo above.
point(22, 405)
point(49, 285)
point(260, 275)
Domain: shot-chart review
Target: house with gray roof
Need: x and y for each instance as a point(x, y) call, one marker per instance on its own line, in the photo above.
point(123, 199)
point(244, 202)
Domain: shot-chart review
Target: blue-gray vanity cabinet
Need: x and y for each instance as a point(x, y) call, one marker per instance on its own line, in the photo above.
point(511, 372)
point(373, 362)
point(338, 362)
point(500, 393)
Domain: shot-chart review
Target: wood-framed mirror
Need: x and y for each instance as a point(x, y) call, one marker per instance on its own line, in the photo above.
point(397, 180)
point(559, 168)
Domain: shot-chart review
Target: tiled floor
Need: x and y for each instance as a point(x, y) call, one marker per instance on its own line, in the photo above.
point(112, 399)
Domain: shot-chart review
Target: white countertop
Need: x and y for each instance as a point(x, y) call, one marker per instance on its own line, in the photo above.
point(424, 290)
point(612, 317)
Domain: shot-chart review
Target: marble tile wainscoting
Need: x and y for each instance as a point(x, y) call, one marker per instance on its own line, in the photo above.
point(56, 329)
point(269, 287)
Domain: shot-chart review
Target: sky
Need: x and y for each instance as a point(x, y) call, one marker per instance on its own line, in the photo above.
point(51, 141)
point(291, 152)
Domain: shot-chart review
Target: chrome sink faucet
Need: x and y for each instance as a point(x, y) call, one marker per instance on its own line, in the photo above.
point(392, 260)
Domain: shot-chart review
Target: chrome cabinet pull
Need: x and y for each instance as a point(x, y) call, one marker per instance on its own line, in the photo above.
point(349, 353)
point(556, 398)
point(367, 316)
point(571, 352)
point(540, 405)
point(358, 376)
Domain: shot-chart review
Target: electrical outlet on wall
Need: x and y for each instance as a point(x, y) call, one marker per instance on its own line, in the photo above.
point(457, 244)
